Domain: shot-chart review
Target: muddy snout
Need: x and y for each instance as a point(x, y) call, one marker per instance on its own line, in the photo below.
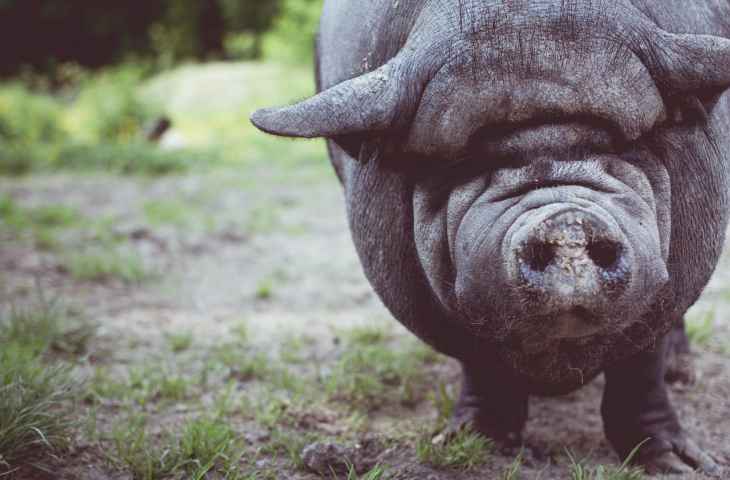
point(570, 264)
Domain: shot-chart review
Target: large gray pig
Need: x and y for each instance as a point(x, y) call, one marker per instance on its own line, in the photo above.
point(536, 188)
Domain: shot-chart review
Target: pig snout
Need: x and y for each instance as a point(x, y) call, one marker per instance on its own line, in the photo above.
point(570, 263)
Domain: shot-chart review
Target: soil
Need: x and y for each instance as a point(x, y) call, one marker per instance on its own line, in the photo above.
point(249, 227)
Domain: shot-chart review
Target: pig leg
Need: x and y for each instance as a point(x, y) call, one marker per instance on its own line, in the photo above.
point(492, 404)
point(680, 366)
point(636, 407)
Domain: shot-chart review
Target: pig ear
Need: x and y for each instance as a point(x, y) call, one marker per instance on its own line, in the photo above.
point(365, 103)
point(698, 64)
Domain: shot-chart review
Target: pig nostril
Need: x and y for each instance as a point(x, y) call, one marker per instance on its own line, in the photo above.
point(604, 254)
point(540, 256)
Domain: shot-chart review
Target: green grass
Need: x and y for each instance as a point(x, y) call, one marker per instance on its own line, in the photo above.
point(179, 341)
point(701, 328)
point(166, 212)
point(205, 443)
point(372, 373)
point(153, 383)
point(367, 335)
point(107, 264)
point(375, 474)
point(46, 327)
point(445, 403)
point(513, 472)
point(130, 159)
point(579, 471)
point(288, 444)
point(243, 364)
point(466, 450)
point(42, 224)
point(141, 386)
point(36, 407)
point(265, 289)
point(37, 400)
point(134, 450)
point(201, 446)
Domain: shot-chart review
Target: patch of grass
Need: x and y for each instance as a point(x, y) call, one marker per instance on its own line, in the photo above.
point(202, 445)
point(513, 472)
point(36, 400)
point(165, 212)
point(36, 407)
point(579, 471)
point(701, 328)
point(104, 385)
point(46, 327)
point(266, 285)
point(292, 348)
point(265, 289)
point(205, 443)
point(41, 223)
point(466, 450)
point(375, 474)
point(369, 376)
point(445, 403)
point(289, 445)
point(107, 264)
point(130, 159)
point(154, 383)
point(141, 386)
point(367, 335)
point(243, 364)
point(179, 341)
point(139, 453)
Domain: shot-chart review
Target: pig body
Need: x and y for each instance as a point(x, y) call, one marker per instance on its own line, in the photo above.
point(537, 189)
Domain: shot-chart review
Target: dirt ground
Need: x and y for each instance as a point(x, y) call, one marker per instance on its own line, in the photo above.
point(274, 251)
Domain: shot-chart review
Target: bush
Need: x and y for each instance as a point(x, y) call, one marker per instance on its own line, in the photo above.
point(28, 118)
point(108, 109)
point(294, 32)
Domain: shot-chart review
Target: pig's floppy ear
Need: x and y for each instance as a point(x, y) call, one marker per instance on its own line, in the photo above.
point(364, 104)
point(691, 64)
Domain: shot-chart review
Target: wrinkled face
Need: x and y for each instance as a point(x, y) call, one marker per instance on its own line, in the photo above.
point(543, 222)
point(544, 217)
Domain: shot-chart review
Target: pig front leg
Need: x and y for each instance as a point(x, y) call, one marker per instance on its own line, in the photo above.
point(680, 366)
point(636, 409)
point(492, 404)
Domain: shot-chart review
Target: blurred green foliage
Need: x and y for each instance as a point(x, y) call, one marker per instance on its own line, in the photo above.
point(57, 112)
point(98, 124)
point(107, 107)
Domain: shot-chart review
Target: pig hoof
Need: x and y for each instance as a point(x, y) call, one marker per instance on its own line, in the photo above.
point(680, 369)
point(685, 458)
point(468, 418)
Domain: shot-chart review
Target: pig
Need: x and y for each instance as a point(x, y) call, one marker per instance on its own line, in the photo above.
point(537, 189)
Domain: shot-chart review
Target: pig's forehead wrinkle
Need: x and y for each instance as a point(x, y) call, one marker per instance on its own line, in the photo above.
point(506, 61)
point(456, 103)
point(499, 20)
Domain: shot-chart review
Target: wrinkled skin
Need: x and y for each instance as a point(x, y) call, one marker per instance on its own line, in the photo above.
point(538, 189)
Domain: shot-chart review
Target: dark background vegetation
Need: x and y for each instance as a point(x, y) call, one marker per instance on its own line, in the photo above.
point(43, 34)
